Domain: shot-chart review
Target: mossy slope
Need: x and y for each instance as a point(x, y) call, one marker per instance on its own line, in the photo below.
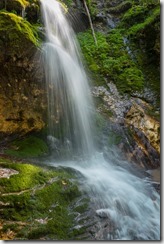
point(110, 60)
point(129, 54)
point(35, 203)
point(30, 146)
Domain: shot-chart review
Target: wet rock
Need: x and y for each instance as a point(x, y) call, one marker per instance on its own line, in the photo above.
point(131, 121)
point(110, 21)
point(6, 173)
point(113, 101)
point(141, 122)
point(148, 95)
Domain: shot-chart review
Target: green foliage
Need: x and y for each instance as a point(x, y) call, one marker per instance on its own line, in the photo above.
point(139, 27)
point(28, 147)
point(110, 59)
point(135, 15)
point(92, 6)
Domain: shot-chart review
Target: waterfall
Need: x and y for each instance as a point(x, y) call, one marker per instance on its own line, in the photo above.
point(69, 100)
point(127, 201)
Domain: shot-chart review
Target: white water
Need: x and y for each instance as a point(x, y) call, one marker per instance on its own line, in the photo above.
point(67, 87)
point(129, 202)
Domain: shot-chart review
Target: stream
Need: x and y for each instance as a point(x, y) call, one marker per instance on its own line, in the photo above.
point(121, 196)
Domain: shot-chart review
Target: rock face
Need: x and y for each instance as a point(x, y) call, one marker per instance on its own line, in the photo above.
point(113, 101)
point(146, 131)
point(132, 114)
point(22, 95)
point(150, 127)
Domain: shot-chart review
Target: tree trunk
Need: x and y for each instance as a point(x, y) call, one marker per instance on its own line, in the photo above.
point(90, 22)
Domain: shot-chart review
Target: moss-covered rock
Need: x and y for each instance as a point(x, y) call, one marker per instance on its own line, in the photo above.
point(120, 8)
point(15, 6)
point(35, 203)
point(28, 9)
point(17, 32)
point(31, 146)
point(22, 100)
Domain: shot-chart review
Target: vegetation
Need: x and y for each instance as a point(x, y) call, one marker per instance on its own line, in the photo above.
point(128, 55)
point(15, 29)
point(23, 3)
point(67, 3)
point(36, 202)
point(92, 5)
point(137, 19)
point(121, 8)
point(110, 59)
point(142, 28)
point(29, 147)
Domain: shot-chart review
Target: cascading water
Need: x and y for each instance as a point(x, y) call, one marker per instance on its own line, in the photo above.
point(69, 102)
point(127, 201)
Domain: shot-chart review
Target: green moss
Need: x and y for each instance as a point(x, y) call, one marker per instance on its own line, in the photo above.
point(23, 3)
point(80, 231)
point(92, 6)
point(27, 178)
point(142, 27)
point(122, 7)
point(11, 227)
point(81, 208)
point(135, 15)
point(28, 147)
point(154, 15)
point(37, 194)
point(15, 29)
point(110, 59)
